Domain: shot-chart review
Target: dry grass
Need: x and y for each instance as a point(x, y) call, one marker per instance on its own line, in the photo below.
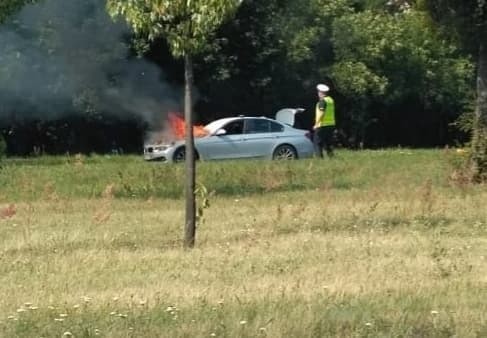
point(386, 261)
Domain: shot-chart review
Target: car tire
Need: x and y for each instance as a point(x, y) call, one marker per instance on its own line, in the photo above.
point(179, 155)
point(285, 152)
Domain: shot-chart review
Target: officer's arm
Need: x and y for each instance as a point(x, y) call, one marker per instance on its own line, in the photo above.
point(320, 113)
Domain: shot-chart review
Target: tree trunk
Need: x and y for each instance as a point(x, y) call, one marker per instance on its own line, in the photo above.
point(479, 141)
point(190, 225)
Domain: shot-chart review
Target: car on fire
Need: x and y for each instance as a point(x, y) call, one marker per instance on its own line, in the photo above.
point(241, 137)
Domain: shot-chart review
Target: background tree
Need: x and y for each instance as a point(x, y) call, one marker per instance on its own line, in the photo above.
point(395, 66)
point(272, 55)
point(7, 7)
point(392, 74)
point(469, 18)
point(187, 27)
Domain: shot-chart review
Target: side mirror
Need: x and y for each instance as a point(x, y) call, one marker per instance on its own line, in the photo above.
point(220, 132)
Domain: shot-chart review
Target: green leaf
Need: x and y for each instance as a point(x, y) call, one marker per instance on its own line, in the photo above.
point(187, 25)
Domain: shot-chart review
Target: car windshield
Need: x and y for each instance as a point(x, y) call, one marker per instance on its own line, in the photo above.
point(212, 127)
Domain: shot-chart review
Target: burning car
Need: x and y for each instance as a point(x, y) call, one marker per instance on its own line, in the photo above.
point(237, 137)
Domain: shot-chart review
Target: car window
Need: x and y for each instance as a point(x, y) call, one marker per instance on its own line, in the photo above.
point(254, 126)
point(276, 127)
point(234, 127)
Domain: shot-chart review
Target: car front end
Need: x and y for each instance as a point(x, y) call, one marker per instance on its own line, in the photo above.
point(159, 152)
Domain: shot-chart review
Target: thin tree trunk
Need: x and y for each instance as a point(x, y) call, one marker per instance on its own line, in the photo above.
point(190, 225)
point(479, 141)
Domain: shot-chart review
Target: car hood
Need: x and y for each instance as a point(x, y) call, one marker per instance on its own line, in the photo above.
point(164, 144)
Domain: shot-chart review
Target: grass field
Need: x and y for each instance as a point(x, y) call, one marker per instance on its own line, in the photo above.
point(370, 244)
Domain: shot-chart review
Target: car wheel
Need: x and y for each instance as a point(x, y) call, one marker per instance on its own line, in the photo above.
point(285, 152)
point(179, 155)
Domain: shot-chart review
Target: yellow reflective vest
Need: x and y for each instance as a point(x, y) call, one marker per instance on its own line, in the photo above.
point(328, 117)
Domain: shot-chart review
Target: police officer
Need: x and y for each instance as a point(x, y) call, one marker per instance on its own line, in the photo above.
point(324, 126)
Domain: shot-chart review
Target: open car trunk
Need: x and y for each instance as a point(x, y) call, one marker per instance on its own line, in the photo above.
point(288, 116)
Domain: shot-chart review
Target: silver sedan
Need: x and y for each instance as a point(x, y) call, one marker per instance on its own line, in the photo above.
point(240, 137)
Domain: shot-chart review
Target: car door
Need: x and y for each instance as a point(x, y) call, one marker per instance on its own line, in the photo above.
point(224, 146)
point(261, 136)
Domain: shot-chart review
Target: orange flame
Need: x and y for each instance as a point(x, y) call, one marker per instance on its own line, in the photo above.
point(178, 127)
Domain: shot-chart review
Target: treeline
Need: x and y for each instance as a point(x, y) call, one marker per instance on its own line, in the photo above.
point(397, 79)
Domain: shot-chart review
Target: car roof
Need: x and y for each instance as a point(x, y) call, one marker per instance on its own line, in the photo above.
point(243, 117)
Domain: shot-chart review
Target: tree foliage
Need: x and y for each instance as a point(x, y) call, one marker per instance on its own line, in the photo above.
point(397, 60)
point(469, 20)
point(186, 25)
point(465, 20)
point(383, 59)
point(7, 7)
point(271, 56)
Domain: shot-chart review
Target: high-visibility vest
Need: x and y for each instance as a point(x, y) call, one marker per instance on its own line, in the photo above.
point(328, 118)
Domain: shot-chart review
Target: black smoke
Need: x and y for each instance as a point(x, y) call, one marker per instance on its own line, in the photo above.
point(65, 65)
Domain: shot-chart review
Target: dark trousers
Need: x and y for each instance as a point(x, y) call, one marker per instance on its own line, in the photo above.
point(323, 139)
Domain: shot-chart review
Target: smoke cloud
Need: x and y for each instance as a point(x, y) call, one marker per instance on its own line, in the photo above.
point(60, 57)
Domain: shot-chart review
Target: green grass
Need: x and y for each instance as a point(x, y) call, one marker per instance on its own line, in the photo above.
point(370, 244)
point(286, 316)
point(87, 177)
